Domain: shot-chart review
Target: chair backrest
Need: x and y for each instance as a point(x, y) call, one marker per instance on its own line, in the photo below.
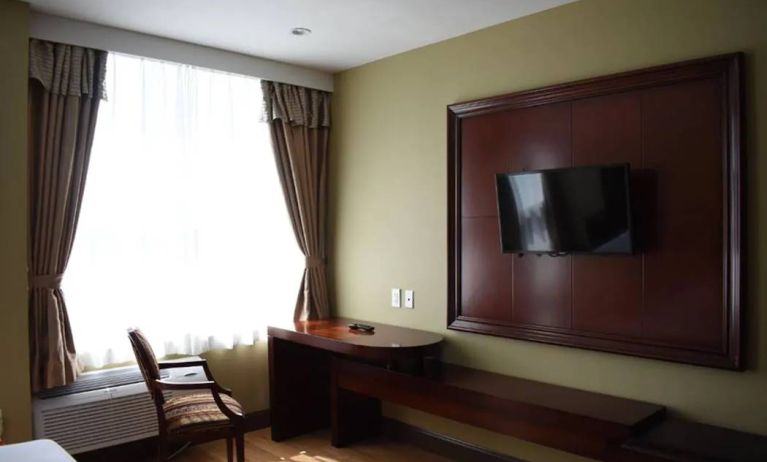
point(147, 362)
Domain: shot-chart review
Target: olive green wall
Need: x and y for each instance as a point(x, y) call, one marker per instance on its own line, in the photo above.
point(246, 371)
point(14, 368)
point(388, 193)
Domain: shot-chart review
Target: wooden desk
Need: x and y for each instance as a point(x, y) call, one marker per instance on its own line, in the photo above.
point(299, 372)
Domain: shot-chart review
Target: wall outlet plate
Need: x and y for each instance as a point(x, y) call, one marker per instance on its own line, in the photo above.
point(395, 298)
point(409, 301)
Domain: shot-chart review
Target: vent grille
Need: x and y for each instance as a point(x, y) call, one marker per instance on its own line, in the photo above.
point(98, 381)
point(88, 420)
point(83, 427)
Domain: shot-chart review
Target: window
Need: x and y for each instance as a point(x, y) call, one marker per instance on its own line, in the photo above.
point(183, 230)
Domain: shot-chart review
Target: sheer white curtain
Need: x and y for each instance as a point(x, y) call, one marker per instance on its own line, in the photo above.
point(183, 230)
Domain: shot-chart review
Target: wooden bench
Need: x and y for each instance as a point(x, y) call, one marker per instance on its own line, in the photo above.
point(589, 424)
point(572, 420)
point(682, 441)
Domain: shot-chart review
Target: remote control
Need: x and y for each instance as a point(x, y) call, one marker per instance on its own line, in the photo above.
point(360, 326)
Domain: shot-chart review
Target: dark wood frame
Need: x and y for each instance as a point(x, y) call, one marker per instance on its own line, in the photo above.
point(233, 432)
point(727, 67)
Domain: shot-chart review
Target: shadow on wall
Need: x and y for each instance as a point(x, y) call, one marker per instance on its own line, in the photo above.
point(244, 369)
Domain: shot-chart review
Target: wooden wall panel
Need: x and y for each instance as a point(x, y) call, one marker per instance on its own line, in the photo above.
point(608, 129)
point(484, 140)
point(539, 137)
point(679, 296)
point(607, 291)
point(607, 295)
point(684, 273)
point(486, 289)
point(542, 290)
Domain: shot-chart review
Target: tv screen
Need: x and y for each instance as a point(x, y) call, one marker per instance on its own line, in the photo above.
point(566, 210)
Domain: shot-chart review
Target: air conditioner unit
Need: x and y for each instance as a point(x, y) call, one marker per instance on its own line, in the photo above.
point(103, 408)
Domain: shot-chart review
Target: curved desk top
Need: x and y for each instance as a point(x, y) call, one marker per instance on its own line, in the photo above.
point(386, 342)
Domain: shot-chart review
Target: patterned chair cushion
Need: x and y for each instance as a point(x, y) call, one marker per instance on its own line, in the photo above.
point(186, 412)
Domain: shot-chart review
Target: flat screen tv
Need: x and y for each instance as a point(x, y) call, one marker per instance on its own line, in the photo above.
point(566, 210)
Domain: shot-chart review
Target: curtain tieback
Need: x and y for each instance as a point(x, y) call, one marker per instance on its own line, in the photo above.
point(46, 281)
point(314, 262)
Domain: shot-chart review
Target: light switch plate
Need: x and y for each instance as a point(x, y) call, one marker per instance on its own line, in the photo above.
point(409, 303)
point(395, 298)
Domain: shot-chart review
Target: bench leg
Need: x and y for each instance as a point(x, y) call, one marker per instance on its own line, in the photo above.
point(353, 417)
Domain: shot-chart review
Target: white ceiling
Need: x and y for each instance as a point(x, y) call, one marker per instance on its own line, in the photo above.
point(346, 33)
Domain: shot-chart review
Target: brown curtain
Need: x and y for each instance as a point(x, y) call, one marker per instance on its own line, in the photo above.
point(299, 120)
point(65, 88)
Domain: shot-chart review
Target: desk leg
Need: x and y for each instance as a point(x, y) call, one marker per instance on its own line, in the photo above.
point(299, 395)
point(353, 417)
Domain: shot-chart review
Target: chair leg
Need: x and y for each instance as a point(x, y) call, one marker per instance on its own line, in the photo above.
point(240, 445)
point(162, 450)
point(229, 452)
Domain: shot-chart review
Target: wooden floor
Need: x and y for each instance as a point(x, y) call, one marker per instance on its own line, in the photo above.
point(314, 447)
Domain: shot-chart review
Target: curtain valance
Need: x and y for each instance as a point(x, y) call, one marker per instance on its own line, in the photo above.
point(67, 69)
point(296, 105)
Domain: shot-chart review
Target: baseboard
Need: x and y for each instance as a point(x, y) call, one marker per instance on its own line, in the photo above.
point(256, 420)
point(450, 448)
point(144, 450)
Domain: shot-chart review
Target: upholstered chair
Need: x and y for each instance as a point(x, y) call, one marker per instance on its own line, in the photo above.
point(205, 412)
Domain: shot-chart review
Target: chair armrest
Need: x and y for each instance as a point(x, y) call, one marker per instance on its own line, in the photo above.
point(163, 384)
point(215, 389)
point(181, 363)
point(188, 363)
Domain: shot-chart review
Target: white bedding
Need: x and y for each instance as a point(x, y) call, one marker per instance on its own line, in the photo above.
point(34, 451)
